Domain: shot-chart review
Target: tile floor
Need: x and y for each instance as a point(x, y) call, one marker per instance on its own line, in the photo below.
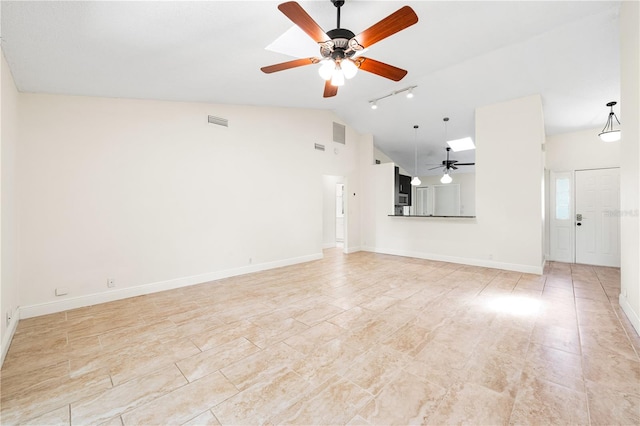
point(349, 339)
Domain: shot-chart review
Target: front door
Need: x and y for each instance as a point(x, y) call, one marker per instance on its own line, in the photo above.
point(597, 222)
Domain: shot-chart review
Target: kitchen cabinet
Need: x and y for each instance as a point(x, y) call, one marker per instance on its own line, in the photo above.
point(402, 189)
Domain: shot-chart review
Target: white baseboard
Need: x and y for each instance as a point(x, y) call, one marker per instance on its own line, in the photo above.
point(631, 314)
point(528, 269)
point(11, 329)
point(123, 293)
point(328, 245)
point(349, 250)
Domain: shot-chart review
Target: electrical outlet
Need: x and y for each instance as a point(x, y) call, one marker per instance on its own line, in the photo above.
point(9, 316)
point(111, 282)
point(61, 291)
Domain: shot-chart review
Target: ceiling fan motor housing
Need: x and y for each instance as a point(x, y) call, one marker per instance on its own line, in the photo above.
point(342, 44)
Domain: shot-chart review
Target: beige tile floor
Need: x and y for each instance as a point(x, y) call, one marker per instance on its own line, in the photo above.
point(349, 339)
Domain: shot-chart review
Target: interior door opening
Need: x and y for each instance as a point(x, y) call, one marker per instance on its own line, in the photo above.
point(339, 215)
point(334, 212)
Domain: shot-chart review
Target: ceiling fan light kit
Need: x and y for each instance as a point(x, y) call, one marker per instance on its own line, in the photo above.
point(340, 48)
point(446, 178)
point(609, 134)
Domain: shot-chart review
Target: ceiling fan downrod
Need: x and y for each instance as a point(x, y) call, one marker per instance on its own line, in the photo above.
point(338, 4)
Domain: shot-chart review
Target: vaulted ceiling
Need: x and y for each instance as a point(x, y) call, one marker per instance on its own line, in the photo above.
point(460, 55)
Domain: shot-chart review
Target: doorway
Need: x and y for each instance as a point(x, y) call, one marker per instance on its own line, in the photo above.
point(334, 212)
point(584, 217)
point(339, 215)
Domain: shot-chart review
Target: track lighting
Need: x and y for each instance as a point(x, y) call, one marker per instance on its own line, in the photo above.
point(608, 134)
point(373, 104)
point(409, 91)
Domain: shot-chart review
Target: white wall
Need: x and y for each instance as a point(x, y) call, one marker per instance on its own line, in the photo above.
point(150, 194)
point(8, 216)
point(581, 150)
point(630, 160)
point(507, 232)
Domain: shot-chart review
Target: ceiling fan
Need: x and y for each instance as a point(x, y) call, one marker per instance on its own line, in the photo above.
point(450, 164)
point(340, 47)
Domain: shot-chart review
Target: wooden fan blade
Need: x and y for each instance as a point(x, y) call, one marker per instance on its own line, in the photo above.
point(298, 16)
point(329, 89)
point(381, 69)
point(397, 21)
point(287, 65)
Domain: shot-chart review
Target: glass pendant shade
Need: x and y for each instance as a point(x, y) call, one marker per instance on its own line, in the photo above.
point(609, 134)
point(349, 68)
point(337, 78)
point(415, 181)
point(446, 178)
point(326, 69)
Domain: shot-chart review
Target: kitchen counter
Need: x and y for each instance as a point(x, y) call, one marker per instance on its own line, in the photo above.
point(432, 216)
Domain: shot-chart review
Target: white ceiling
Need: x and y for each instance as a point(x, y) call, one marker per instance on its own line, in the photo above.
point(461, 55)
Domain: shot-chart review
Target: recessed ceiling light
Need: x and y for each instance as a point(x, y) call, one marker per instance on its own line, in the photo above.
point(463, 144)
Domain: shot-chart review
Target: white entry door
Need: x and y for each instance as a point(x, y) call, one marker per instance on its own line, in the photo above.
point(597, 222)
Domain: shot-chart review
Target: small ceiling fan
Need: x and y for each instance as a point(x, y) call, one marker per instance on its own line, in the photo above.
point(339, 47)
point(450, 164)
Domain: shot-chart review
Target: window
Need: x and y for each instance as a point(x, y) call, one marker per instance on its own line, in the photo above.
point(563, 198)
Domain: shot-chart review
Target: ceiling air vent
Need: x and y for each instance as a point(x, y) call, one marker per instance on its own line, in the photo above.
point(339, 133)
point(219, 121)
point(318, 146)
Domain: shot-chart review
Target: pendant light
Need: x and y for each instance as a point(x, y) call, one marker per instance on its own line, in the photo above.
point(608, 134)
point(445, 177)
point(416, 180)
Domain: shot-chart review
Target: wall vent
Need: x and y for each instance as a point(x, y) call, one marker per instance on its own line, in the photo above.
point(339, 133)
point(219, 121)
point(318, 146)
